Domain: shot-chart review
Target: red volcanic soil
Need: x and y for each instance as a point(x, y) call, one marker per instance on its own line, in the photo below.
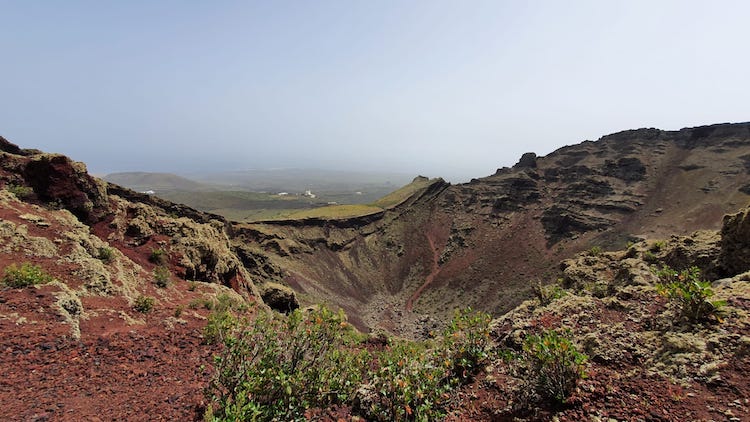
point(435, 270)
point(116, 371)
point(126, 365)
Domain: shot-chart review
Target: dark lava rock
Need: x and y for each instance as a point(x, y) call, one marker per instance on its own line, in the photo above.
point(9, 147)
point(735, 243)
point(629, 169)
point(56, 178)
point(279, 297)
point(560, 223)
point(528, 160)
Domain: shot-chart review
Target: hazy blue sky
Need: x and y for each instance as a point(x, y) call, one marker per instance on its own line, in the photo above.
point(441, 88)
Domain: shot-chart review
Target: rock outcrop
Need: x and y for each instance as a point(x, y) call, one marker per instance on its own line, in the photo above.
point(197, 244)
point(735, 242)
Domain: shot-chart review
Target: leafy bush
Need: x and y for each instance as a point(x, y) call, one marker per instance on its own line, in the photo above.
point(144, 304)
point(219, 324)
point(27, 274)
point(689, 293)
point(106, 254)
point(20, 191)
point(595, 251)
point(466, 342)
point(554, 363)
point(277, 367)
point(158, 256)
point(161, 276)
point(410, 382)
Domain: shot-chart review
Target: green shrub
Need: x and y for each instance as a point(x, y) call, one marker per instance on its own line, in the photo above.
point(595, 251)
point(219, 325)
point(27, 274)
point(547, 294)
point(689, 293)
point(178, 311)
point(144, 304)
point(412, 380)
point(277, 367)
point(554, 363)
point(20, 191)
point(466, 341)
point(161, 276)
point(106, 254)
point(158, 256)
point(658, 246)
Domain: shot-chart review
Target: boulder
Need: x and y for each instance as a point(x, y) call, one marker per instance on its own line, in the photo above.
point(735, 243)
point(279, 297)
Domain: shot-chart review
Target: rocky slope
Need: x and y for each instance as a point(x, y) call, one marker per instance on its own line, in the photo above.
point(486, 242)
point(78, 348)
point(646, 362)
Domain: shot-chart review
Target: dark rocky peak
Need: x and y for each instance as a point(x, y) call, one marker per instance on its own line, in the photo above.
point(686, 138)
point(9, 147)
point(643, 134)
point(528, 160)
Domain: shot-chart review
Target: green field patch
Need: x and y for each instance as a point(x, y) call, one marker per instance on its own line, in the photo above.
point(335, 211)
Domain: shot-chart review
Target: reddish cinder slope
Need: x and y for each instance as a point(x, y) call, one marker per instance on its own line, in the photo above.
point(76, 348)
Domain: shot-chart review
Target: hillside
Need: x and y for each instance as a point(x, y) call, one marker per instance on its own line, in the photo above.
point(146, 181)
point(106, 293)
point(257, 195)
point(486, 242)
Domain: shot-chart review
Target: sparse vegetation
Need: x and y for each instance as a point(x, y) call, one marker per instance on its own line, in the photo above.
point(336, 211)
point(20, 191)
point(400, 195)
point(158, 256)
point(27, 274)
point(657, 246)
point(161, 276)
point(106, 254)
point(554, 364)
point(689, 293)
point(595, 251)
point(144, 304)
point(547, 294)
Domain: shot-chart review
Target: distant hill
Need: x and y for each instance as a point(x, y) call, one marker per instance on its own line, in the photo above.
point(300, 180)
point(252, 195)
point(145, 181)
